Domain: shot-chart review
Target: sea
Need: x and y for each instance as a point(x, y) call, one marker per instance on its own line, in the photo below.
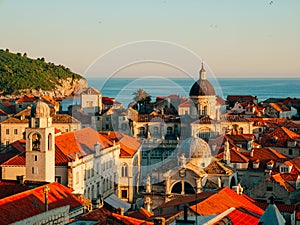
point(123, 88)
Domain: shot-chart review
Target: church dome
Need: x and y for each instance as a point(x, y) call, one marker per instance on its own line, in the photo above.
point(40, 110)
point(196, 151)
point(202, 87)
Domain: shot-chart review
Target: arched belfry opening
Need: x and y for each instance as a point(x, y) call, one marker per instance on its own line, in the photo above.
point(182, 187)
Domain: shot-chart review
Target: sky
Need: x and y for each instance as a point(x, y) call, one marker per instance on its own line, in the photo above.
point(234, 38)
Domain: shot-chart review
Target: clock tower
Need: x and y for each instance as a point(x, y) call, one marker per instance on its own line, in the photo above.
point(40, 146)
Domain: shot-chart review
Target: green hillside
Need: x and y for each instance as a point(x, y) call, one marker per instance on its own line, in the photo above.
point(19, 72)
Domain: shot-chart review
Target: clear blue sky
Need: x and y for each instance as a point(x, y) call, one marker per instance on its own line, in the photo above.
point(235, 38)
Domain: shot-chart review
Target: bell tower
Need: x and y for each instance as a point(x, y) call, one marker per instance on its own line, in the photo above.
point(40, 146)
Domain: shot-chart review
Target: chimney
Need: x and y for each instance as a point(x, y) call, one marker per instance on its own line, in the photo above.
point(251, 152)
point(120, 211)
point(159, 221)
point(46, 190)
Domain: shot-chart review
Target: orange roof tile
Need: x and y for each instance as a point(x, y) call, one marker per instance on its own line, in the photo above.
point(50, 100)
point(14, 120)
point(185, 104)
point(279, 179)
point(276, 107)
point(239, 216)
point(265, 154)
point(26, 98)
point(18, 160)
point(19, 145)
point(97, 215)
point(223, 200)
point(142, 214)
point(128, 145)
point(130, 221)
point(30, 203)
point(2, 113)
point(235, 156)
point(81, 142)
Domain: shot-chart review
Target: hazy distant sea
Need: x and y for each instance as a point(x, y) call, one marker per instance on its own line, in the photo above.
point(122, 88)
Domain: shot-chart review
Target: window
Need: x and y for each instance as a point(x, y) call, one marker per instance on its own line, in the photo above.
point(7, 131)
point(169, 130)
point(36, 142)
point(290, 151)
point(204, 111)
point(35, 158)
point(155, 130)
point(7, 143)
point(269, 188)
point(15, 131)
point(34, 170)
point(123, 193)
point(124, 171)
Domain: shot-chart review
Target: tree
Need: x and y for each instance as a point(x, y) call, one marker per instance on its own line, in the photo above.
point(142, 98)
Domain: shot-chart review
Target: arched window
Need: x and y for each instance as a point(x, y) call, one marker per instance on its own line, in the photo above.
point(204, 110)
point(36, 141)
point(169, 131)
point(124, 170)
point(50, 142)
point(142, 130)
point(204, 133)
point(241, 130)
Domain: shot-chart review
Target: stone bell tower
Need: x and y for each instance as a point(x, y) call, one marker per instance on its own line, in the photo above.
point(40, 146)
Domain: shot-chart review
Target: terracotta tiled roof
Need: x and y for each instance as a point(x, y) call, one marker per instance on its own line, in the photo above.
point(216, 167)
point(81, 142)
point(26, 98)
point(235, 156)
point(282, 135)
point(18, 160)
point(265, 154)
point(128, 145)
point(6, 104)
point(19, 145)
point(108, 101)
point(126, 220)
point(223, 200)
point(9, 188)
point(296, 165)
point(185, 104)
point(30, 203)
point(142, 214)
point(276, 107)
point(291, 134)
point(64, 118)
point(190, 199)
point(98, 215)
point(24, 112)
point(2, 113)
point(50, 100)
point(279, 179)
point(14, 120)
point(241, 216)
